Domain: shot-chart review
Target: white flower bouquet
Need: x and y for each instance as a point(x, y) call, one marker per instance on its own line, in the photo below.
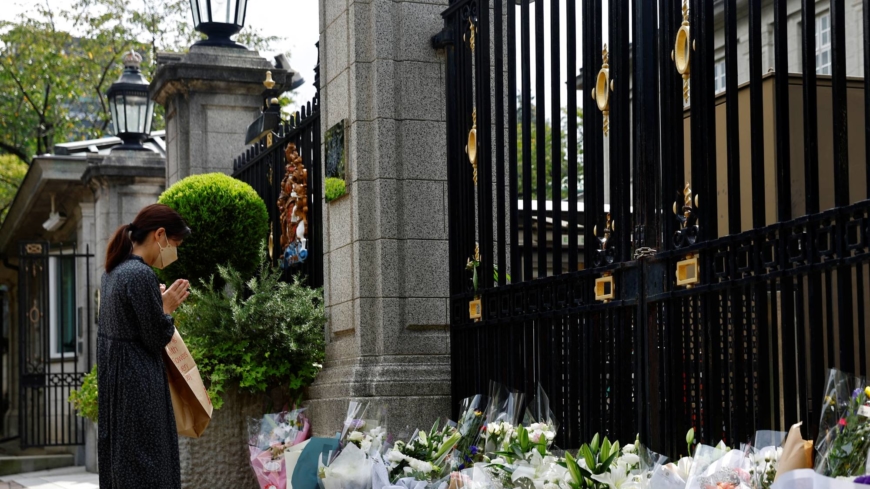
point(425, 457)
point(362, 441)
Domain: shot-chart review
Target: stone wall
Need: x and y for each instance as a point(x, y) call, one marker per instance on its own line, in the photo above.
point(386, 242)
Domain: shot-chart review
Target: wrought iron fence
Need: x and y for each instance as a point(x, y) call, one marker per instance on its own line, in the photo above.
point(737, 340)
point(264, 165)
point(54, 322)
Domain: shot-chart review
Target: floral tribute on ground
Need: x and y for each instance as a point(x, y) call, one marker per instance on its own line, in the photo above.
point(502, 442)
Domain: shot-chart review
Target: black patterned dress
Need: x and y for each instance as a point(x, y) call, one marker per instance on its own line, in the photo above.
point(138, 444)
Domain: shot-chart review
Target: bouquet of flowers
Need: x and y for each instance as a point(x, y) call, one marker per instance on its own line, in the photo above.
point(425, 456)
point(471, 424)
point(844, 430)
point(719, 467)
point(502, 417)
point(764, 457)
point(269, 437)
point(361, 444)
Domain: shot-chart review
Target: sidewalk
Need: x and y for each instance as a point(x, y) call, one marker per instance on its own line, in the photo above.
point(66, 478)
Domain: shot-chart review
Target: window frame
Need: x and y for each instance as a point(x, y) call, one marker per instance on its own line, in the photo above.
point(823, 48)
point(716, 76)
point(56, 308)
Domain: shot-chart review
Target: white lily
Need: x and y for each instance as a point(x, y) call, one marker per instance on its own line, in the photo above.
point(615, 478)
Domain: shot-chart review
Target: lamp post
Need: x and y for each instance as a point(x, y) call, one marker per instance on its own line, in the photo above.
point(131, 105)
point(219, 19)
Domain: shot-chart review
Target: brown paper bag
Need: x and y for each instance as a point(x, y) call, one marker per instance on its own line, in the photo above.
point(190, 400)
point(797, 453)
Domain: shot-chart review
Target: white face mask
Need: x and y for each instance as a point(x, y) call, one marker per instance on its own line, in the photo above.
point(167, 255)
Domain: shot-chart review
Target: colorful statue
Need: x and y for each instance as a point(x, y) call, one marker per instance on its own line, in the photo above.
point(293, 208)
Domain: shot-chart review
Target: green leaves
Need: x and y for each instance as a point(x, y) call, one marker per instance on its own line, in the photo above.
point(85, 400)
point(261, 333)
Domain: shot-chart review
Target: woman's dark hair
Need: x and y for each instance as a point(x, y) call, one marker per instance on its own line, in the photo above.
point(153, 217)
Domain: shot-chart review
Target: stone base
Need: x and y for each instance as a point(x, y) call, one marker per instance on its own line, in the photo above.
point(220, 458)
point(414, 388)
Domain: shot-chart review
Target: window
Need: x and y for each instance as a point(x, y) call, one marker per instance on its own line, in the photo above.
point(823, 44)
point(719, 76)
point(62, 304)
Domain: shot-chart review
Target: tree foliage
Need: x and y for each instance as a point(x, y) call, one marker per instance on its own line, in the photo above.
point(549, 132)
point(56, 65)
point(12, 171)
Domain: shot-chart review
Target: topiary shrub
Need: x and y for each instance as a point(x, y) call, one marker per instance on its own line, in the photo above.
point(228, 221)
point(334, 188)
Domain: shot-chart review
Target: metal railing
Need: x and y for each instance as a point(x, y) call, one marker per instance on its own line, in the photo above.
point(263, 166)
point(777, 298)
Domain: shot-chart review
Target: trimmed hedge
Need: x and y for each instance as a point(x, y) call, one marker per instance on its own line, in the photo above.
point(229, 224)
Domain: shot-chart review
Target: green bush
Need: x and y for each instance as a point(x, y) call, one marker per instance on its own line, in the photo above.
point(84, 400)
point(262, 332)
point(335, 188)
point(229, 222)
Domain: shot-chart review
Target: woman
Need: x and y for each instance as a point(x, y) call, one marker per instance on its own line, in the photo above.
point(138, 444)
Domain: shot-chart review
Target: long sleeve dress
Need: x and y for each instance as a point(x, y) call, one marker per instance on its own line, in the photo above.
point(137, 442)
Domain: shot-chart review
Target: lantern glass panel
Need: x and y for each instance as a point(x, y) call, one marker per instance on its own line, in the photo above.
point(196, 8)
point(120, 114)
point(241, 10)
point(114, 108)
point(222, 11)
point(136, 108)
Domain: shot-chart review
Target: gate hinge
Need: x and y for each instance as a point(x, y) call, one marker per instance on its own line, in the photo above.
point(443, 38)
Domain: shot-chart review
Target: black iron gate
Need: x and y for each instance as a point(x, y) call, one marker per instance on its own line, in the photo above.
point(54, 322)
point(264, 166)
point(661, 322)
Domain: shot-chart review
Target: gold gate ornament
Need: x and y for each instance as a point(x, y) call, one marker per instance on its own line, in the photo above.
point(681, 55)
point(603, 87)
point(604, 288)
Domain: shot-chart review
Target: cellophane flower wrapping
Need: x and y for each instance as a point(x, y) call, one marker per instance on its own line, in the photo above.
point(648, 463)
point(844, 428)
point(351, 469)
point(363, 440)
point(719, 468)
point(540, 420)
point(271, 473)
point(764, 457)
point(472, 421)
point(269, 437)
point(502, 416)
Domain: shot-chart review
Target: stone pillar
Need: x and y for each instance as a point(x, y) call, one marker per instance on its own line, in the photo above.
point(123, 182)
point(211, 95)
point(385, 244)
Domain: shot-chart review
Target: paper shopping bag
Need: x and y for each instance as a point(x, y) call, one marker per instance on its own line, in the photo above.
point(190, 400)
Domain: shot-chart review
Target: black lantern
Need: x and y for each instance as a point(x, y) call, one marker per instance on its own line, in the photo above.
point(219, 19)
point(131, 106)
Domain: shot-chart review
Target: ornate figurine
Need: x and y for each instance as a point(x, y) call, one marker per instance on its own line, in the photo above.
point(606, 252)
point(688, 232)
point(293, 208)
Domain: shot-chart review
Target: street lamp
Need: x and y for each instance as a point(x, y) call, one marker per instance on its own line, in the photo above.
point(219, 19)
point(131, 105)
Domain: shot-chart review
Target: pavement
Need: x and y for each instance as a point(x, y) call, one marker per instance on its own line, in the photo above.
point(65, 478)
